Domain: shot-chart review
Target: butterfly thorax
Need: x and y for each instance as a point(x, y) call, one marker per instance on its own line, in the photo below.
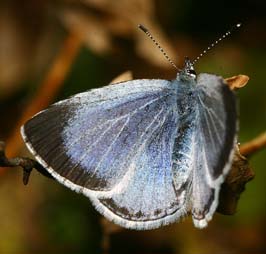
point(187, 74)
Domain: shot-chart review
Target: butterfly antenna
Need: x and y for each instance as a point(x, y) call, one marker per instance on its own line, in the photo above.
point(147, 32)
point(217, 41)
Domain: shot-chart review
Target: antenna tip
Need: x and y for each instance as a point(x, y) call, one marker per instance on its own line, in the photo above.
point(143, 28)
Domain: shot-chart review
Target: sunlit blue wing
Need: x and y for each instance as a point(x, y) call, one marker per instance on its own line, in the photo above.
point(115, 145)
point(148, 197)
point(214, 141)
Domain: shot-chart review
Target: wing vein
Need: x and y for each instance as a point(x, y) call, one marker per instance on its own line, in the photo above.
point(111, 145)
point(210, 114)
point(131, 114)
point(112, 121)
point(208, 126)
point(213, 113)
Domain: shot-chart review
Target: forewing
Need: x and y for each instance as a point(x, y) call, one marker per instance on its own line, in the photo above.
point(215, 139)
point(89, 141)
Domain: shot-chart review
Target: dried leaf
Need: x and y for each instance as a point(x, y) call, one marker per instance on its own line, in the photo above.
point(119, 18)
point(237, 82)
point(27, 43)
point(89, 28)
point(234, 185)
point(125, 76)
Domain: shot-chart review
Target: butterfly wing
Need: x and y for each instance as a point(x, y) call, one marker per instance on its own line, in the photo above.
point(114, 144)
point(215, 137)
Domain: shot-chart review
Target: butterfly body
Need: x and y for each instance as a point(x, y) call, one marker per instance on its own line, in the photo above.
point(146, 152)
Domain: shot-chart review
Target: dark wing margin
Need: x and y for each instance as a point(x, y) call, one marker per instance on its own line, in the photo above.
point(216, 138)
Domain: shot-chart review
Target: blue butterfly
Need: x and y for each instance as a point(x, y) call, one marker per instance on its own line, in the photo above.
point(146, 152)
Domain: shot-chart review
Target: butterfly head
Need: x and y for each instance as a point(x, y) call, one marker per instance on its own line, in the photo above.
point(187, 73)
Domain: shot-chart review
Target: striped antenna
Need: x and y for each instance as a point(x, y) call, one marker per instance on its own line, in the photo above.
point(217, 41)
point(147, 32)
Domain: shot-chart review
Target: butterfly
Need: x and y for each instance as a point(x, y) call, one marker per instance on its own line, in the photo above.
point(146, 152)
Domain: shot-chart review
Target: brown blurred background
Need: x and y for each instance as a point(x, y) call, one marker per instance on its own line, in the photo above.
point(52, 49)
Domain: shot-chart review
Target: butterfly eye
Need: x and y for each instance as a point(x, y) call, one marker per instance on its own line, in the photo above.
point(192, 72)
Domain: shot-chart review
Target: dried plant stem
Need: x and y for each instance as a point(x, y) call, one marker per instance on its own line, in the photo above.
point(48, 89)
point(254, 145)
point(26, 163)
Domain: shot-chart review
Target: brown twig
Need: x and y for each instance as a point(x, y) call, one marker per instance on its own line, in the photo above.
point(26, 163)
point(254, 145)
point(49, 88)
